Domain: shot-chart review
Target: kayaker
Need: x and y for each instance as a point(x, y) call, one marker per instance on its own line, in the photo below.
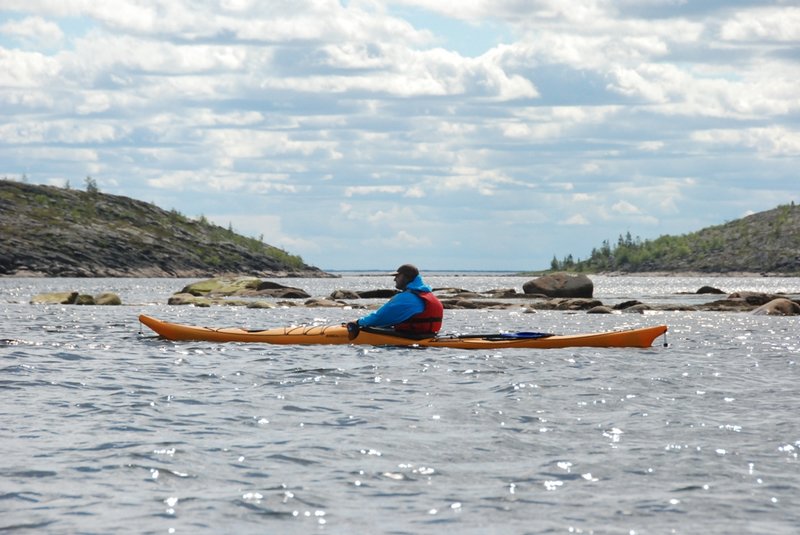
point(415, 310)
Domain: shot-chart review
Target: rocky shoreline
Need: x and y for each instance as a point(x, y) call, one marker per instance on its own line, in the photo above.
point(553, 292)
point(59, 232)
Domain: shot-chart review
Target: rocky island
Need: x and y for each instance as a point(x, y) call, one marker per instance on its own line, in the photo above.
point(60, 232)
point(763, 243)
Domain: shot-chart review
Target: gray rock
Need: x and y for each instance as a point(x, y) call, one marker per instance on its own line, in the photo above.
point(261, 304)
point(222, 286)
point(560, 284)
point(754, 298)
point(601, 309)
point(727, 305)
point(84, 299)
point(778, 307)
point(709, 290)
point(270, 285)
point(467, 295)
point(243, 287)
point(636, 309)
point(324, 303)
point(472, 304)
point(107, 298)
point(188, 299)
point(344, 294)
point(449, 291)
point(286, 293)
point(503, 293)
point(579, 304)
point(626, 304)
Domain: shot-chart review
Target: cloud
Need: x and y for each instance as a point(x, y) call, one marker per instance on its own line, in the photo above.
point(399, 191)
point(224, 180)
point(575, 220)
point(405, 239)
point(770, 142)
point(63, 132)
point(651, 146)
point(399, 71)
point(26, 70)
point(33, 30)
point(625, 208)
point(763, 24)
point(267, 228)
point(408, 125)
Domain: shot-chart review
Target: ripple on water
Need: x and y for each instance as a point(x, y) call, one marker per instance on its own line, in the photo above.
point(199, 436)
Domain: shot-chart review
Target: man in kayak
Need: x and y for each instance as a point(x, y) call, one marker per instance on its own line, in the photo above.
point(415, 310)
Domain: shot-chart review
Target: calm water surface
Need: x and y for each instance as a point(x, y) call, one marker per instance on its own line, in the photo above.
point(106, 430)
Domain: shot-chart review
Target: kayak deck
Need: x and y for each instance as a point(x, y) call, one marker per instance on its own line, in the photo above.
point(337, 334)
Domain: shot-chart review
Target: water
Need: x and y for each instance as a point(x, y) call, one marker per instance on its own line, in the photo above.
point(105, 430)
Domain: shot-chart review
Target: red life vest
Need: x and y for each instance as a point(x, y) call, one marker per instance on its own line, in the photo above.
point(427, 321)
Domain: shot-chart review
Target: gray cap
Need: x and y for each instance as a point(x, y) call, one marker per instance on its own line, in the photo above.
point(407, 270)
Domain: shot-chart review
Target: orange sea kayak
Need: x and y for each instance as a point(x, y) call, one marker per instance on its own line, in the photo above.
point(337, 334)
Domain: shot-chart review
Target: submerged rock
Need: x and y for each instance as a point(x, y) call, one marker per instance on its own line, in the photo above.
point(261, 304)
point(75, 298)
point(568, 304)
point(344, 294)
point(55, 298)
point(636, 309)
point(184, 298)
point(324, 303)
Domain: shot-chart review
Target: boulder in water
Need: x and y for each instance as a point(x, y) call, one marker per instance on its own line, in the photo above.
point(778, 307)
point(560, 284)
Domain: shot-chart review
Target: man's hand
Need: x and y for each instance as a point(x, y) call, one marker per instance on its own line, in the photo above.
point(352, 330)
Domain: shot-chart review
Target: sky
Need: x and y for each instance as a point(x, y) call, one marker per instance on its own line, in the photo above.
point(363, 134)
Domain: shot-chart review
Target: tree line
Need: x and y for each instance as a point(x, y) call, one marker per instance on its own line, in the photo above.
point(765, 241)
point(635, 254)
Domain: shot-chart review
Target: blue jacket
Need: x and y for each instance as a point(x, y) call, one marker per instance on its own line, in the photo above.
point(399, 308)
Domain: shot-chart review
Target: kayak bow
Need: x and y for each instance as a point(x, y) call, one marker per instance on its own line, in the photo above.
point(337, 334)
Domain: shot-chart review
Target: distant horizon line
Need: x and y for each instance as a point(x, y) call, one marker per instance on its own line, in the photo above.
point(391, 270)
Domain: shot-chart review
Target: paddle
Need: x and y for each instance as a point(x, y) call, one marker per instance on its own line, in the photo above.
point(491, 336)
point(504, 336)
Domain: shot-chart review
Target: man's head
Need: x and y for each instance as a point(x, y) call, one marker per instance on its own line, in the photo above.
point(405, 274)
